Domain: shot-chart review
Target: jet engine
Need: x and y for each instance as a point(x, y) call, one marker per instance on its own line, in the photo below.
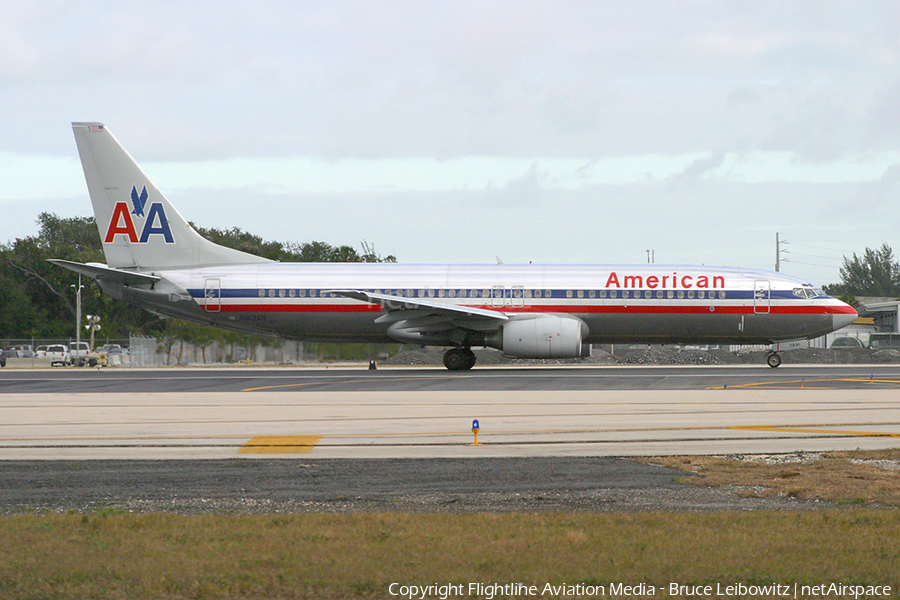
point(544, 336)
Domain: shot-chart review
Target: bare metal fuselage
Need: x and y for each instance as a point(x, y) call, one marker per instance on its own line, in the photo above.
point(618, 304)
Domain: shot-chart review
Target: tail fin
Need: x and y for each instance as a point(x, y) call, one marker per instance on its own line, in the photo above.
point(139, 227)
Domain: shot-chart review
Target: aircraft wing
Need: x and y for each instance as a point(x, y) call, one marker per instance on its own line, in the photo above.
point(422, 321)
point(394, 304)
point(104, 273)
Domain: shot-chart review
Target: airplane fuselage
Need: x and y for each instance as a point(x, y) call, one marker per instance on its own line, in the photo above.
point(617, 303)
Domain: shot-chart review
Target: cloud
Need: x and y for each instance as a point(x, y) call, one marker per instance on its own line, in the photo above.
point(581, 104)
point(700, 167)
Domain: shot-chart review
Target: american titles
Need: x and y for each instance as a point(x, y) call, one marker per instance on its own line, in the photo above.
point(673, 281)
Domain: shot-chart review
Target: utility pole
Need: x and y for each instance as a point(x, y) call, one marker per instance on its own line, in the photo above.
point(78, 311)
point(779, 251)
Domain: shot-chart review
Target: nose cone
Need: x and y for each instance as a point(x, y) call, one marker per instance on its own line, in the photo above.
point(843, 315)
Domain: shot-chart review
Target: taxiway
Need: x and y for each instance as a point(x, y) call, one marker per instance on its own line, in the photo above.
point(409, 413)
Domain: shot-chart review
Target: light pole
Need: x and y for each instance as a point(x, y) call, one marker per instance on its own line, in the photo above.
point(93, 325)
point(78, 310)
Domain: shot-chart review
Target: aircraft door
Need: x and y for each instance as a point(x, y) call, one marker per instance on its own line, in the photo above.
point(212, 294)
point(498, 294)
point(518, 295)
point(762, 293)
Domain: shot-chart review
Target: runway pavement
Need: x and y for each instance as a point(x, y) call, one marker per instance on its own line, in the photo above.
point(409, 413)
point(354, 379)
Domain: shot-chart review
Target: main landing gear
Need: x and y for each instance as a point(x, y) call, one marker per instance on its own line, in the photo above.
point(459, 359)
point(773, 359)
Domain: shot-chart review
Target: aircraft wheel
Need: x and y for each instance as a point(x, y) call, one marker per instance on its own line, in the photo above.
point(457, 359)
point(773, 360)
point(470, 358)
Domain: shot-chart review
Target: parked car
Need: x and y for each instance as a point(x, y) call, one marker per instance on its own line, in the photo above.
point(40, 351)
point(78, 352)
point(58, 355)
point(2, 359)
point(847, 343)
point(18, 352)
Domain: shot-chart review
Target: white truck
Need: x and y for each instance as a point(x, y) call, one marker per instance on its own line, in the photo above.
point(78, 352)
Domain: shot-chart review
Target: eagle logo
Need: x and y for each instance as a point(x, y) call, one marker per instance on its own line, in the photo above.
point(138, 201)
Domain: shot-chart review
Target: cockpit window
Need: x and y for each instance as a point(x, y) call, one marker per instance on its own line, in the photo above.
point(808, 291)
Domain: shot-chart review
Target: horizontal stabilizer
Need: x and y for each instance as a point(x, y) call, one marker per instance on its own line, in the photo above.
point(103, 273)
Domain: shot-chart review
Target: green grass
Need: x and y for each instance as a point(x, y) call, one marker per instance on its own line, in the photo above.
point(119, 555)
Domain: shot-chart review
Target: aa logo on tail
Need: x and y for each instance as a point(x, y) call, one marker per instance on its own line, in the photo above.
point(138, 201)
point(155, 223)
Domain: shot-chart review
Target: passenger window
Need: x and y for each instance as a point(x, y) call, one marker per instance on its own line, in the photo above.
point(581, 293)
point(262, 293)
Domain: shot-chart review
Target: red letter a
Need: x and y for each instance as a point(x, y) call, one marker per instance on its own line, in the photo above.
point(120, 213)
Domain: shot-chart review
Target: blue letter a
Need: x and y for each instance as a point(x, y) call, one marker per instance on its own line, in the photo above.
point(156, 210)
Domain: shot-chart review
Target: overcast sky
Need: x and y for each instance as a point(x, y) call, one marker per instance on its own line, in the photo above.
point(552, 132)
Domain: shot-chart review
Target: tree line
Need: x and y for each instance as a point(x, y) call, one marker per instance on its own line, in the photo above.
point(37, 298)
point(875, 272)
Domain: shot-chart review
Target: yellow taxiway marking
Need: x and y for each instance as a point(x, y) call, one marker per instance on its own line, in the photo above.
point(280, 444)
point(825, 431)
point(311, 383)
point(801, 382)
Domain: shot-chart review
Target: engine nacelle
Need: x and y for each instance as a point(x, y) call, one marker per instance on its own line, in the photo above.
point(546, 336)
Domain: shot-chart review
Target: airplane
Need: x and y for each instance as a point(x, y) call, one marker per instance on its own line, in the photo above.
point(156, 260)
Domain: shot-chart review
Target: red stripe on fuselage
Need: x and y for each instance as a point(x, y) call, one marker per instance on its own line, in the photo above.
point(329, 308)
point(807, 309)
